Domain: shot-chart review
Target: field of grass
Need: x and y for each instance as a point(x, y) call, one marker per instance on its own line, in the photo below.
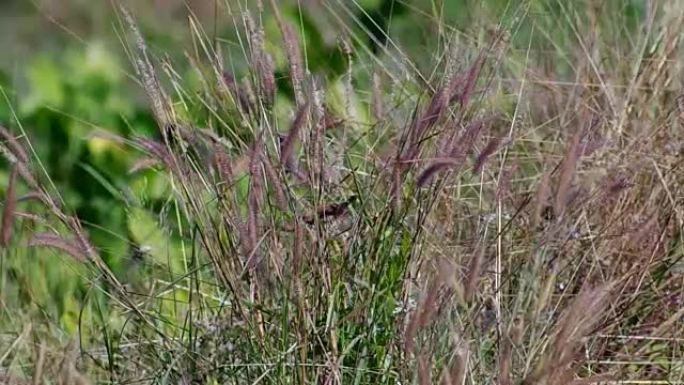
point(346, 192)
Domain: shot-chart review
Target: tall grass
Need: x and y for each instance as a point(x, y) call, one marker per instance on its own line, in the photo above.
point(488, 223)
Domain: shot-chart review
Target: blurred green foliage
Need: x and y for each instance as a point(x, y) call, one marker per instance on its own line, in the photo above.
point(66, 99)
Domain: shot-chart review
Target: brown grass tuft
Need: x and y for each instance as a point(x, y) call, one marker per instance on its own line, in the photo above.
point(9, 209)
point(568, 169)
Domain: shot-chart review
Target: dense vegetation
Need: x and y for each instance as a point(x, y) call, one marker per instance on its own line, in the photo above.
point(332, 192)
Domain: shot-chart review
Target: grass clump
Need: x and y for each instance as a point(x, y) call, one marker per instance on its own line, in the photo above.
point(483, 222)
